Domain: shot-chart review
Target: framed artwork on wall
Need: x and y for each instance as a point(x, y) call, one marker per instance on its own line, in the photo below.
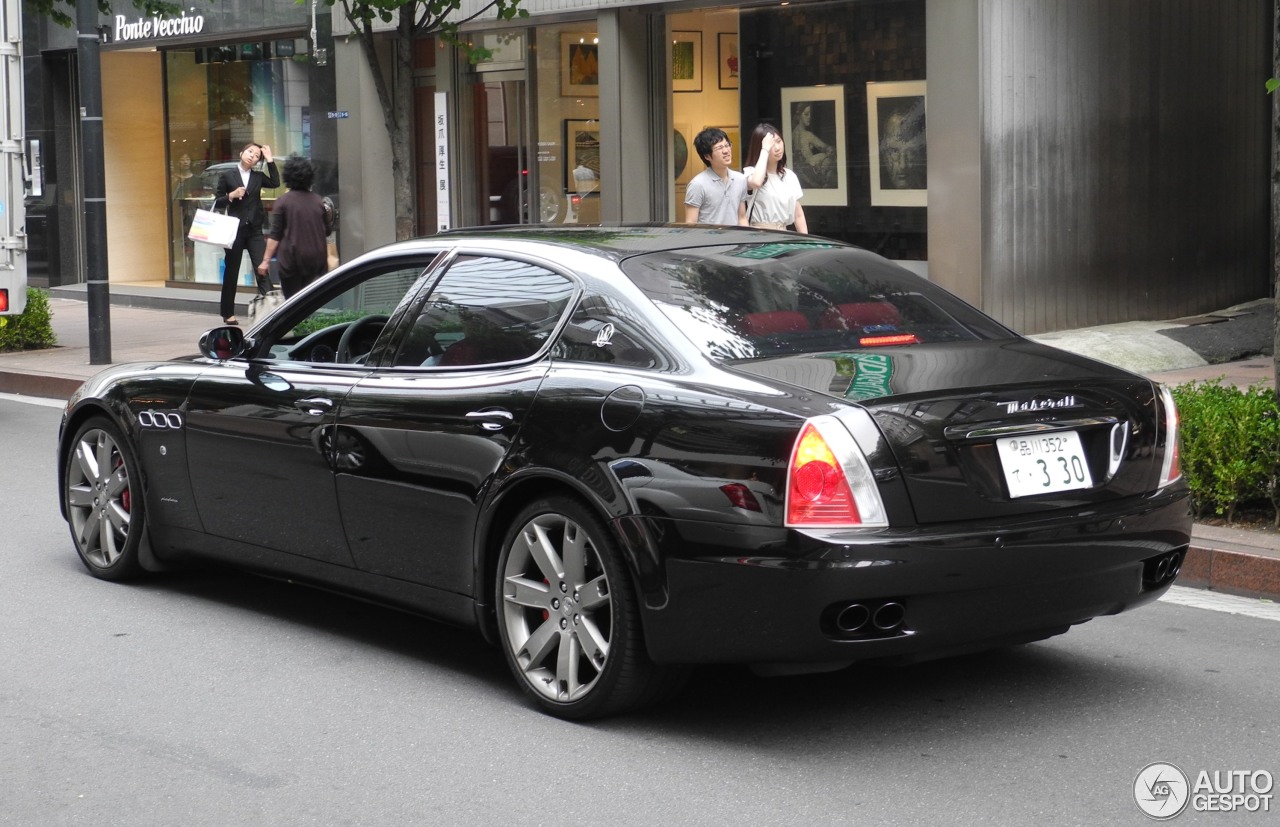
point(582, 156)
point(579, 64)
point(686, 61)
point(684, 159)
point(727, 59)
point(897, 149)
point(813, 129)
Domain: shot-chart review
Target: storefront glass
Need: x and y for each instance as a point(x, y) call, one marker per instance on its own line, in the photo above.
point(568, 134)
point(219, 99)
point(845, 84)
point(704, 91)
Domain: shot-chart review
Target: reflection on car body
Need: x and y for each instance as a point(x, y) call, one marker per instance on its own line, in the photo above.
point(651, 447)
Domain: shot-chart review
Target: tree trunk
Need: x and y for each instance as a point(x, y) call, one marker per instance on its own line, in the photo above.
point(396, 101)
point(401, 133)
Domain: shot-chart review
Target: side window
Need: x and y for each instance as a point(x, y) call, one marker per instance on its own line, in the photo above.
point(345, 327)
point(603, 330)
point(486, 311)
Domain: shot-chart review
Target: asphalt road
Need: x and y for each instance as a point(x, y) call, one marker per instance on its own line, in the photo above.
point(222, 699)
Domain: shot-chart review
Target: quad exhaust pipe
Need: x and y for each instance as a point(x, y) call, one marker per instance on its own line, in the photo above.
point(1160, 571)
point(878, 619)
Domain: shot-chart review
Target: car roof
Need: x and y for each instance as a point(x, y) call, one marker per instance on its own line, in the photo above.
point(624, 240)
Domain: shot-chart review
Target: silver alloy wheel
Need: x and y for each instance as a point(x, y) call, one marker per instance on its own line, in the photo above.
point(99, 498)
point(556, 608)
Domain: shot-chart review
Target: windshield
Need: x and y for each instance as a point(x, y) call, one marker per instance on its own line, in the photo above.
point(758, 300)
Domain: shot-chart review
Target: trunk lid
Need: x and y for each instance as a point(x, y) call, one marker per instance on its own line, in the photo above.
point(996, 428)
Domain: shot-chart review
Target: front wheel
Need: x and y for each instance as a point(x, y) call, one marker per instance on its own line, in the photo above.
point(103, 500)
point(568, 618)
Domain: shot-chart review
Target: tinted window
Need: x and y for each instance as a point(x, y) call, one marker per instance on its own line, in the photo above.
point(604, 330)
point(748, 301)
point(486, 311)
point(371, 301)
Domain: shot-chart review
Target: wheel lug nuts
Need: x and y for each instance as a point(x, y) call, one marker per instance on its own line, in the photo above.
point(555, 602)
point(564, 587)
point(564, 624)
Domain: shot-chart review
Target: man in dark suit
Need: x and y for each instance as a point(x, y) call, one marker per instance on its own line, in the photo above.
point(240, 193)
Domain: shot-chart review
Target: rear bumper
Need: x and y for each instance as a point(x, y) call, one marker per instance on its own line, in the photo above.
point(713, 594)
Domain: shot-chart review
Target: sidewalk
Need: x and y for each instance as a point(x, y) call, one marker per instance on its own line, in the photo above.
point(157, 323)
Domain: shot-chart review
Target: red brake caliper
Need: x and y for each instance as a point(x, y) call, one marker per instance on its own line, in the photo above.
point(124, 498)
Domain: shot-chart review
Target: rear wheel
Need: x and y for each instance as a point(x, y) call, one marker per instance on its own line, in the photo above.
point(104, 501)
point(568, 618)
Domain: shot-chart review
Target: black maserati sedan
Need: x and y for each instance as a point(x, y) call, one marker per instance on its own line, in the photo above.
point(617, 452)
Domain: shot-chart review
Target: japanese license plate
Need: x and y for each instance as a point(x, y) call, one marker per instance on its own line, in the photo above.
point(1043, 463)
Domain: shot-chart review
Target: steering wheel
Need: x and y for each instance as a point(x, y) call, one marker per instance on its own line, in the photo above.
point(353, 330)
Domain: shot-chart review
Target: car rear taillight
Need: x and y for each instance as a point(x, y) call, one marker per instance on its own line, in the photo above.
point(740, 496)
point(1171, 468)
point(829, 484)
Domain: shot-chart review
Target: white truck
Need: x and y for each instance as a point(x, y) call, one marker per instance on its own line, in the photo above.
point(13, 241)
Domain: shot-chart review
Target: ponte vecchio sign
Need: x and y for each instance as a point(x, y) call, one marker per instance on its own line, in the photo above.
point(151, 28)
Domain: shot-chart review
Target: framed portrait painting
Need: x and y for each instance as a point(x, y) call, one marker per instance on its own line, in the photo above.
point(813, 128)
point(579, 64)
point(897, 150)
point(582, 156)
point(686, 61)
point(727, 59)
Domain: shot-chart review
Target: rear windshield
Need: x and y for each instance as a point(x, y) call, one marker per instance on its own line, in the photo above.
point(762, 300)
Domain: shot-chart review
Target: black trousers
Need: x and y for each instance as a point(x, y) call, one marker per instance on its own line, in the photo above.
point(248, 239)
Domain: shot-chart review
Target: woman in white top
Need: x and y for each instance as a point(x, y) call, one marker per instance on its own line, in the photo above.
point(775, 193)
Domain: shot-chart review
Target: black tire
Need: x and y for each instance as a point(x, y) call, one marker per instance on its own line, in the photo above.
point(587, 658)
point(103, 499)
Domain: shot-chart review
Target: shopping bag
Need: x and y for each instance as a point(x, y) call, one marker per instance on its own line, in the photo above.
point(209, 227)
point(263, 304)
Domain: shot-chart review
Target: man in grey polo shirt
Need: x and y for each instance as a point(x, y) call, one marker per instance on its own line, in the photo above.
point(717, 195)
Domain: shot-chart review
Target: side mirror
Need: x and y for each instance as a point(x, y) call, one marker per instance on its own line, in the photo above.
point(222, 343)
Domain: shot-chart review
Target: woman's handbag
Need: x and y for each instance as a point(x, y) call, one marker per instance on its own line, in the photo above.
point(263, 304)
point(209, 227)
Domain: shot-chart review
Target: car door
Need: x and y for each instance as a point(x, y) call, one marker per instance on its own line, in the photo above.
point(420, 439)
point(259, 458)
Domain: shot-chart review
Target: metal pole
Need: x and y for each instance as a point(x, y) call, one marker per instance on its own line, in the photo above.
point(94, 182)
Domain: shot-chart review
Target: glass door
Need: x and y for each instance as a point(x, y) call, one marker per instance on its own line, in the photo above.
point(508, 188)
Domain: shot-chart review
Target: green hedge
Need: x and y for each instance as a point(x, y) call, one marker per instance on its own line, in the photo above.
point(32, 329)
point(1230, 448)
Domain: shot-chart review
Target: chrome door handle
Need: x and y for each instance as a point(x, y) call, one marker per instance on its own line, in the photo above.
point(494, 419)
point(315, 406)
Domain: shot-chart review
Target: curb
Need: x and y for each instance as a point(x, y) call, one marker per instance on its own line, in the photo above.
point(184, 300)
point(38, 384)
point(1231, 571)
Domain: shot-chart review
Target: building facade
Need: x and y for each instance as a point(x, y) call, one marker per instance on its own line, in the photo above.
point(1057, 163)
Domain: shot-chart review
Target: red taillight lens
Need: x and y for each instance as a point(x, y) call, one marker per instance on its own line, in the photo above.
point(819, 494)
point(740, 496)
point(4, 300)
point(829, 481)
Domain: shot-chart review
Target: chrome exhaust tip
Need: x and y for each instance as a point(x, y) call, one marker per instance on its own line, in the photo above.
point(852, 618)
point(889, 616)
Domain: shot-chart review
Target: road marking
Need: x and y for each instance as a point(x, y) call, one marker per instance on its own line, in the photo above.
point(35, 400)
point(1218, 602)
